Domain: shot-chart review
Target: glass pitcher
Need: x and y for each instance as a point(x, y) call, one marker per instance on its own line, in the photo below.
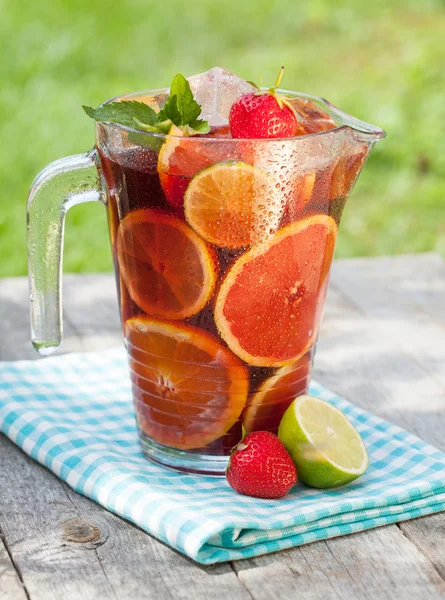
point(222, 250)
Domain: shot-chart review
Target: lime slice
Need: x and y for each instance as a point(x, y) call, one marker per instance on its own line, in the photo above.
point(233, 204)
point(324, 445)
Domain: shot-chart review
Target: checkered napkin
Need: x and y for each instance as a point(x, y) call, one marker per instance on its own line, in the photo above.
point(74, 415)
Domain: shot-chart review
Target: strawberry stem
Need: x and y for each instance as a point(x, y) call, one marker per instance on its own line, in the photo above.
point(280, 76)
point(273, 89)
point(282, 100)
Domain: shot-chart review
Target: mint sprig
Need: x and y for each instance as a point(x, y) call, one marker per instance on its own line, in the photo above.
point(180, 109)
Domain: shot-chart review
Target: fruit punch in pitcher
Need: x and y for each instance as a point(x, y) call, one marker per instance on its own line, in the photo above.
point(224, 203)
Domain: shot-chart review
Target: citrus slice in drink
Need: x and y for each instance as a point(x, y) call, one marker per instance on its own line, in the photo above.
point(189, 389)
point(346, 172)
point(325, 447)
point(181, 157)
point(173, 178)
point(311, 117)
point(334, 183)
point(269, 305)
point(152, 101)
point(268, 404)
point(169, 271)
point(233, 205)
point(298, 197)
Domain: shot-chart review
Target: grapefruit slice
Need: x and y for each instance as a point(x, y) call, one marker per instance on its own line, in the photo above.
point(169, 271)
point(269, 305)
point(189, 389)
point(181, 157)
point(269, 403)
point(233, 205)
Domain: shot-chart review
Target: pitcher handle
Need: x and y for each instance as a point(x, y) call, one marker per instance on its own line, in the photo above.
point(62, 184)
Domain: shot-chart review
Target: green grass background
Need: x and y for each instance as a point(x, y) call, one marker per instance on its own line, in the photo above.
point(383, 61)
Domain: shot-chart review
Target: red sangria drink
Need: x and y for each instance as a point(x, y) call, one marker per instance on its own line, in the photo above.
point(224, 203)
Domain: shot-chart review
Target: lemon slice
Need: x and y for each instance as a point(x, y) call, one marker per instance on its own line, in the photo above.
point(325, 447)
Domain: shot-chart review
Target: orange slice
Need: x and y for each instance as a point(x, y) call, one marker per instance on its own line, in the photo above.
point(152, 101)
point(266, 407)
point(169, 271)
point(189, 389)
point(270, 303)
point(233, 205)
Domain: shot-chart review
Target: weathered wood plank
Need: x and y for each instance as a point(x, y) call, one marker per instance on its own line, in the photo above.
point(11, 587)
point(14, 323)
point(90, 308)
point(404, 297)
point(368, 359)
point(428, 534)
point(356, 566)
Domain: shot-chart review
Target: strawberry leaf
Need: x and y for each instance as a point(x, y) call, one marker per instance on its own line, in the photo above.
point(255, 85)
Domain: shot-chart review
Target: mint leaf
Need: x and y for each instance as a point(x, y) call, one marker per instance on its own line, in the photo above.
point(181, 108)
point(171, 112)
point(199, 126)
point(123, 113)
point(162, 127)
point(187, 105)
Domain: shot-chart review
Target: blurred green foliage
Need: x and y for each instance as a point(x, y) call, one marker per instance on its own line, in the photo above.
point(382, 61)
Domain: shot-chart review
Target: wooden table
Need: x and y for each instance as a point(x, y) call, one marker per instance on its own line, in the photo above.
point(382, 346)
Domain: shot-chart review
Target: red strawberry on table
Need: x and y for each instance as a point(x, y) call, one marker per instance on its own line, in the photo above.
point(263, 115)
point(261, 467)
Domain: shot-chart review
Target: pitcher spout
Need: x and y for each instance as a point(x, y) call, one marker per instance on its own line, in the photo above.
point(371, 133)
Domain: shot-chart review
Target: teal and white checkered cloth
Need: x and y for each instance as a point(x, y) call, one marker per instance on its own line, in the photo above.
point(74, 415)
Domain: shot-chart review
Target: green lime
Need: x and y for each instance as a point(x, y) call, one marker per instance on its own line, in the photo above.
point(326, 448)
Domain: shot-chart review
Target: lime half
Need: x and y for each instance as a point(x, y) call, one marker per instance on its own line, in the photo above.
point(326, 448)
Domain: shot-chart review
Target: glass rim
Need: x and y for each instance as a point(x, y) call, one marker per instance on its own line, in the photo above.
point(346, 121)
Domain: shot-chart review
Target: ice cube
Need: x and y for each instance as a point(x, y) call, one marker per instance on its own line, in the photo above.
point(216, 90)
